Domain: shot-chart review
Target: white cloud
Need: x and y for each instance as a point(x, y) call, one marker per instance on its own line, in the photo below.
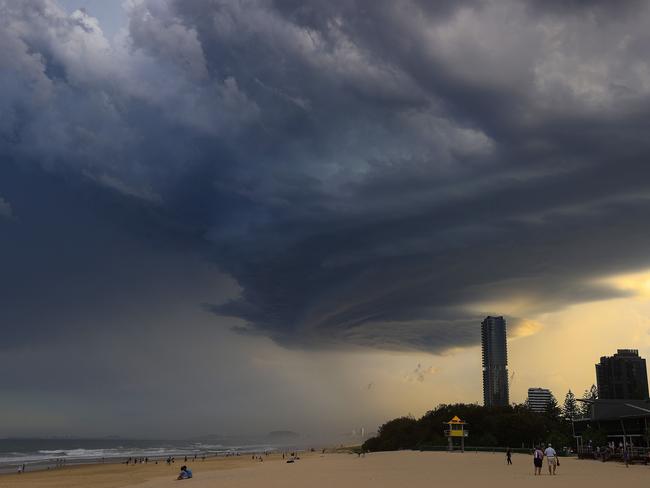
point(74, 100)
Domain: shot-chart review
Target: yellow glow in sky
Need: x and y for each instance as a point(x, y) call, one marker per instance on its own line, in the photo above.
point(636, 283)
point(556, 350)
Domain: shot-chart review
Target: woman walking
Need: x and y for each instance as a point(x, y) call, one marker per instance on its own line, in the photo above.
point(538, 457)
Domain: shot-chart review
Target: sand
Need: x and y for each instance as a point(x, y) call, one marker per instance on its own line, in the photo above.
point(393, 469)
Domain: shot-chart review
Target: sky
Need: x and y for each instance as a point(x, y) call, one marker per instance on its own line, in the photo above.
point(233, 217)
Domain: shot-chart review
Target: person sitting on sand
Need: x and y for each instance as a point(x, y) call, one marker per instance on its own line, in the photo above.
point(185, 474)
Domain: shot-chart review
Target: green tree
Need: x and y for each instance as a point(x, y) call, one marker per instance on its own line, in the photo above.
point(400, 433)
point(513, 425)
point(570, 407)
point(597, 437)
point(552, 410)
point(590, 394)
point(559, 440)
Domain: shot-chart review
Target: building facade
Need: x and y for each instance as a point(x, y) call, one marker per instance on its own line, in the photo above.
point(538, 399)
point(622, 376)
point(495, 362)
point(624, 422)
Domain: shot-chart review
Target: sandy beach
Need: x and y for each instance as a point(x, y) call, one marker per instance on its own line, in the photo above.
point(391, 469)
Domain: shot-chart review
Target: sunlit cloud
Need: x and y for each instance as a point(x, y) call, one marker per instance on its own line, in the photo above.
point(637, 284)
point(524, 328)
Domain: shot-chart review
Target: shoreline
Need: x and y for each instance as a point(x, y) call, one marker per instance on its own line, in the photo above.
point(107, 475)
point(35, 457)
point(51, 464)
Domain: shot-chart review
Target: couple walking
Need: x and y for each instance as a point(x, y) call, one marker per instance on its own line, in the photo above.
point(551, 459)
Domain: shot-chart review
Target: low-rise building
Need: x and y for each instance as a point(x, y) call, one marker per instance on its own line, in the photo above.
point(622, 422)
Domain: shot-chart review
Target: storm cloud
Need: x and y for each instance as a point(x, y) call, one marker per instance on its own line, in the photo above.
point(374, 174)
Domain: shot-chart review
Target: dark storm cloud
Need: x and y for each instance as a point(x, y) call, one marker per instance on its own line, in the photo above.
point(370, 173)
point(5, 208)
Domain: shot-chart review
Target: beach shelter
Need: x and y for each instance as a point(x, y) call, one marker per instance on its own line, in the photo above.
point(456, 429)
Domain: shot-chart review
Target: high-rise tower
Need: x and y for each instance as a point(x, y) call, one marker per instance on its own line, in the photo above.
point(622, 376)
point(495, 362)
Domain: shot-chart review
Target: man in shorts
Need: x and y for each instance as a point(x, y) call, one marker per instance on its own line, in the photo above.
point(551, 458)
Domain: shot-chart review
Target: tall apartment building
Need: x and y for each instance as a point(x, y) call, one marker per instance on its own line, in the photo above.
point(538, 399)
point(622, 376)
point(495, 362)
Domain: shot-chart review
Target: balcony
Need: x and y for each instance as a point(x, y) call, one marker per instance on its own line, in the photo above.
point(456, 433)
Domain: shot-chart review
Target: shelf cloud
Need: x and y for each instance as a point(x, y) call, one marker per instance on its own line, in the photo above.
point(368, 173)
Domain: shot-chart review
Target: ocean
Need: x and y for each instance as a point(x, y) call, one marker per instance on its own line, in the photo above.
point(45, 453)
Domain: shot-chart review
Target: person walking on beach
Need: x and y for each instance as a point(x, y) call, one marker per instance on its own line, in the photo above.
point(551, 458)
point(538, 457)
point(509, 456)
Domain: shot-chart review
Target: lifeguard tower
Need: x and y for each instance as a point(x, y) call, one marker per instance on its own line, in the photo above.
point(456, 428)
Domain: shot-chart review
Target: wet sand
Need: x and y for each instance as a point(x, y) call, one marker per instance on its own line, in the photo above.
point(121, 475)
point(392, 469)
